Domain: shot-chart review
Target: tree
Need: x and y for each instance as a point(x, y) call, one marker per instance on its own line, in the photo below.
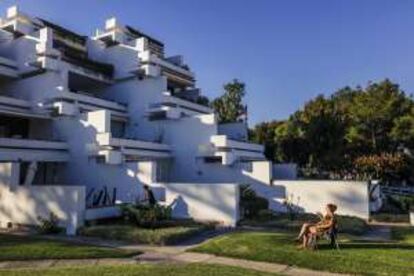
point(346, 133)
point(229, 107)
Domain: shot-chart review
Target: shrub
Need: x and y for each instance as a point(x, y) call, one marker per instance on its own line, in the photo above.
point(130, 233)
point(250, 203)
point(145, 215)
point(49, 225)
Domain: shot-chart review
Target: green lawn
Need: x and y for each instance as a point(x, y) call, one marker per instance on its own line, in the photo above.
point(347, 224)
point(132, 233)
point(403, 234)
point(355, 257)
point(31, 248)
point(139, 270)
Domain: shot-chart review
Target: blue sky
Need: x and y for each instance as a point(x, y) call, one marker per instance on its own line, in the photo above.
point(286, 51)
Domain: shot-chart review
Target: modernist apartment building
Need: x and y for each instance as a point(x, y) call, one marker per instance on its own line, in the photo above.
point(86, 121)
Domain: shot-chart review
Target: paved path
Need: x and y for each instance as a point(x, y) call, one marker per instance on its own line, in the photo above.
point(159, 255)
point(166, 258)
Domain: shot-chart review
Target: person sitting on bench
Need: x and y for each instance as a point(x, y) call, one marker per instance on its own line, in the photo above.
point(327, 223)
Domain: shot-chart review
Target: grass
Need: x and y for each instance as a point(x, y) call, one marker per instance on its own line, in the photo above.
point(14, 247)
point(355, 256)
point(390, 217)
point(346, 224)
point(403, 234)
point(131, 233)
point(139, 270)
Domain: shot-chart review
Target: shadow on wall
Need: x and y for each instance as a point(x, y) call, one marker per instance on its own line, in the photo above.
point(25, 205)
point(180, 208)
point(204, 201)
point(351, 197)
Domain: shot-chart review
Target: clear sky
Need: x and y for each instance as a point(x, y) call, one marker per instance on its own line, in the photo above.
point(286, 51)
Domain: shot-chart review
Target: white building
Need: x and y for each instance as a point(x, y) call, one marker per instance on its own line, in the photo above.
point(86, 121)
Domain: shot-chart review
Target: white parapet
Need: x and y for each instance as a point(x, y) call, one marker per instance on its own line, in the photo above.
point(215, 202)
point(25, 205)
point(166, 67)
point(170, 107)
point(12, 149)
point(8, 68)
point(311, 196)
point(113, 148)
point(70, 104)
point(231, 150)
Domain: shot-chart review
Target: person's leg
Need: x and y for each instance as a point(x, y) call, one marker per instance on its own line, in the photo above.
point(303, 230)
point(311, 234)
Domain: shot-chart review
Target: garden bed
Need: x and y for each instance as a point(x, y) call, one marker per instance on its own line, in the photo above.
point(158, 236)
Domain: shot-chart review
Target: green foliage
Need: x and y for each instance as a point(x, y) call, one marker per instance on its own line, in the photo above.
point(330, 136)
point(251, 205)
point(381, 166)
point(390, 217)
point(49, 225)
point(146, 216)
point(203, 100)
point(132, 233)
point(403, 234)
point(229, 107)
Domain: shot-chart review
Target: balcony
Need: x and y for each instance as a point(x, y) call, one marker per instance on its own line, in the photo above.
point(20, 108)
point(172, 71)
point(231, 151)
point(8, 68)
point(171, 107)
point(117, 150)
point(70, 104)
point(17, 150)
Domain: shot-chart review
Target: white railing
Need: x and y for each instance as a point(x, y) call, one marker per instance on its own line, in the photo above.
point(13, 149)
point(32, 144)
point(14, 103)
point(147, 57)
point(132, 147)
point(93, 101)
point(8, 62)
point(174, 101)
point(8, 67)
point(222, 141)
point(88, 72)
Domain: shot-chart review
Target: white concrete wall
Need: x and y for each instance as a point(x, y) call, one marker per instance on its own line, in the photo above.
point(351, 197)
point(102, 212)
point(23, 205)
point(204, 202)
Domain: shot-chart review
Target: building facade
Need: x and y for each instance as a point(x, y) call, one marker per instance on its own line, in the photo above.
point(98, 117)
point(86, 122)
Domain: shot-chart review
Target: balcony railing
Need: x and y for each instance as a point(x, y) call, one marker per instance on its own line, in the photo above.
point(120, 149)
point(222, 141)
point(231, 150)
point(16, 107)
point(167, 67)
point(81, 102)
point(13, 149)
point(8, 68)
point(174, 107)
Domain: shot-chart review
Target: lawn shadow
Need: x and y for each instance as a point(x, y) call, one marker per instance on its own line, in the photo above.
point(369, 245)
